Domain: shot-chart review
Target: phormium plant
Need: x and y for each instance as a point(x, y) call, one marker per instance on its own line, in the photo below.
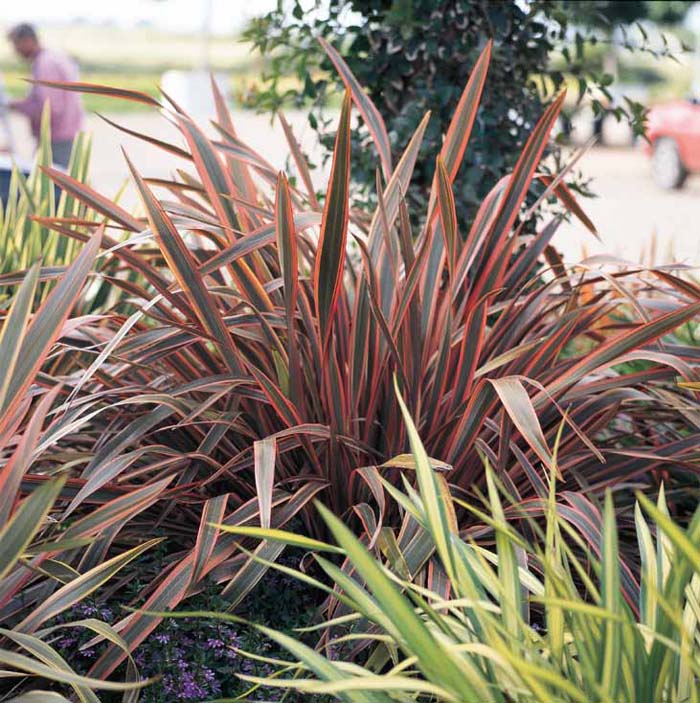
point(256, 371)
point(37, 582)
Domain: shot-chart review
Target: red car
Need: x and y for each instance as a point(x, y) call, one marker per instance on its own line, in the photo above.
point(674, 135)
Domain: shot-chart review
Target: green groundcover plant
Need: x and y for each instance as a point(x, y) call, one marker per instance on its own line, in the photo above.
point(539, 617)
point(247, 364)
point(192, 660)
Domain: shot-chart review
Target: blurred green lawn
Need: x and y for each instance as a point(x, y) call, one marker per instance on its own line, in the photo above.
point(133, 59)
point(16, 86)
point(137, 59)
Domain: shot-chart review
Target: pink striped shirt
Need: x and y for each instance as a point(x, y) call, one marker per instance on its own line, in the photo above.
point(66, 107)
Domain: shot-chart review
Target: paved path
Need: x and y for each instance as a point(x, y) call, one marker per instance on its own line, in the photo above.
point(629, 212)
point(108, 167)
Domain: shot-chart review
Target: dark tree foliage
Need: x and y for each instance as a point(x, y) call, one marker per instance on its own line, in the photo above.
point(416, 55)
point(607, 13)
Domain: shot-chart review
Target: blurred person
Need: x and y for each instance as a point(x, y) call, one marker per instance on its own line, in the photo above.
point(66, 107)
point(6, 145)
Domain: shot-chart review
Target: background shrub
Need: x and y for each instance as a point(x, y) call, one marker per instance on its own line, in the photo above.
point(414, 56)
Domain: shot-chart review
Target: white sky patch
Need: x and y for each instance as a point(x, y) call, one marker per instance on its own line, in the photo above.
point(168, 15)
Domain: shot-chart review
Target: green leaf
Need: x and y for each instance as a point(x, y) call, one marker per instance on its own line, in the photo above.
point(28, 519)
point(330, 258)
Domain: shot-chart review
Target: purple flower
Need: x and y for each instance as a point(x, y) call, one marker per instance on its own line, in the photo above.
point(189, 688)
point(86, 609)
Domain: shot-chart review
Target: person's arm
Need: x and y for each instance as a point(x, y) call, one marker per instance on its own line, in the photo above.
point(30, 105)
point(33, 104)
point(8, 146)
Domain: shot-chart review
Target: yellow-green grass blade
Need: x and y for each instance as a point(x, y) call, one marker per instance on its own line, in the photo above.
point(28, 665)
point(355, 595)
point(393, 684)
point(508, 568)
point(28, 519)
point(435, 661)
point(39, 697)
point(680, 540)
point(80, 588)
point(650, 584)
point(433, 498)
point(274, 535)
point(43, 652)
point(323, 668)
point(611, 631)
point(13, 329)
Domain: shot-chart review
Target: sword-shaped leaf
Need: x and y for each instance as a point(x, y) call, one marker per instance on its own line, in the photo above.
point(185, 269)
point(371, 116)
point(330, 258)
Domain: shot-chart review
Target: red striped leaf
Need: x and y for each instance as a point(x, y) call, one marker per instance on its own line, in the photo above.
point(330, 259)
point(366, 108)
point(265, 453)
point(105, 90)
point(47, 325)
point(13, 330)
point(300, 161)
point(517, 403)
point(448, 215)
point(289, 264)
point(93, 199)
point(212, 515)
point(184, 267)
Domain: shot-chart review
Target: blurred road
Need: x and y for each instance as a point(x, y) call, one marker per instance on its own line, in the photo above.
point(630, 211)
point(632, 214)
point(109, 170)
